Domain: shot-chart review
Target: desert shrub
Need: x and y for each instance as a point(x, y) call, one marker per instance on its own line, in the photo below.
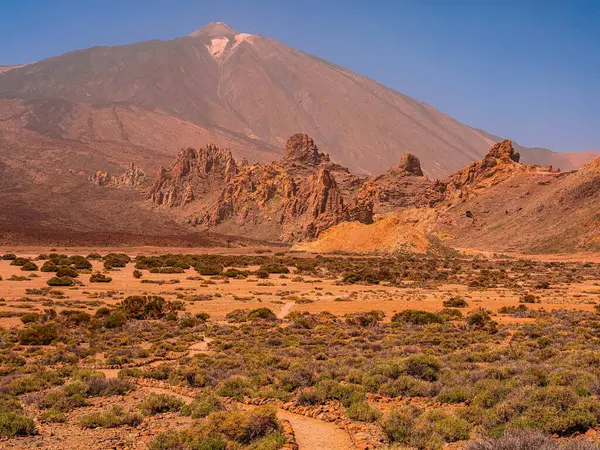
point(148, 307)
point(262, 274)
point(261, 314)
point(424, 367)
point(366, 319)
point(455, 302)
point(19, 261)
point(208, 269)
point(67, 272)
point(481, 318)
point(529, 298)
point(416, 317)
point(167, 270)
point(399, 422)
point(15, 424)
point(187, 439)
point(43, 334)
point(112, 418)
point(234, 273)
point(201, 407)
point(52, 416)
point(160, 403)
point(405, 386)
point(202, 316)
point(346, 394)
point(237, 315)
point(275, 268)
point(137, 274)
point(65, 399)
point(100, 278)
point(522, 439)
point(115, 319)
point(451, 314)
point(94, 256)
point(363, 412)
point(49, 266)
point(116, 260)
point(31, 318)
point(235, 387)
point(9, 257)
point(79, 262)
point(102, 387)
point(74, 317)
point(60, 281)
point(187, 321)
point(244, 427)
point(29, 266)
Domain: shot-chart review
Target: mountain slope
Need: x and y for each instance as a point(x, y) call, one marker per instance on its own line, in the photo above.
point(261, 90)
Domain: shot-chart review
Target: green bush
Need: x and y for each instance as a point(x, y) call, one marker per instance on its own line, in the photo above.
point(100, 278)
point(455, 302)
point(363, 412)
point(201, 407)
point(67, 272)
point(114, 417)
point(234, 273)
point(14, 424)
point(275, 268)
point(19, 261)
point(208, 269)
point(43, 334)
point(49, 266)
point(29, 266)
point(261, 314)
point(160, 403)
point(416, 317)
point(60, 281)
point(424, 367)
point(148, 307)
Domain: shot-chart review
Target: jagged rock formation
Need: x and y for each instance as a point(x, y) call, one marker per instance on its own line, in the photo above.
point(290, 200)
point(300, 149)
point(403, 186)
point(194, 175)
point(500, 163)
point(134, 177)
point(410, 165)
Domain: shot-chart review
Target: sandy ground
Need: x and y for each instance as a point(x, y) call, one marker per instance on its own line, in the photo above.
point(219, 297)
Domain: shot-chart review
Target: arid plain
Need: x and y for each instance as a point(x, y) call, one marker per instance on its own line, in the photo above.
point(268, 348)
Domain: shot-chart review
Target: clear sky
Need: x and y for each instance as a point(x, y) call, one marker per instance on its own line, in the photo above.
point(524, 69)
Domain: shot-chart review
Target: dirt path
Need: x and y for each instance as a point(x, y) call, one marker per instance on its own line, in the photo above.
point(199, 347)
point(157, 390)
point(313, 434)
point(285, 310)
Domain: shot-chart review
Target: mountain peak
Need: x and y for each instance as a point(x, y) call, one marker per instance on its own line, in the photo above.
point(214, 30)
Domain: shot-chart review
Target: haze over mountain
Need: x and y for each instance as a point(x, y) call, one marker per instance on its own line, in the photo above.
point(248, 92)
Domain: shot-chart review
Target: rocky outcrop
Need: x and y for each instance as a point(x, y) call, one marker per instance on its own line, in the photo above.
point(293, 199)
point(403, 186)
point(301, 149)
point(194, 175)
point(134, 177)
point(410, 165)
point(501, 162)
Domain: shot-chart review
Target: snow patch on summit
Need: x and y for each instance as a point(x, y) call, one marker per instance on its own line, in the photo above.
point(217, 46)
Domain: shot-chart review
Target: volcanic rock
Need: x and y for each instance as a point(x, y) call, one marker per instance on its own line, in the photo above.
point(134, 177)
point(193, 174)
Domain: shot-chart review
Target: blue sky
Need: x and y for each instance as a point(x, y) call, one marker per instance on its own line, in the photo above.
point(528, 70)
